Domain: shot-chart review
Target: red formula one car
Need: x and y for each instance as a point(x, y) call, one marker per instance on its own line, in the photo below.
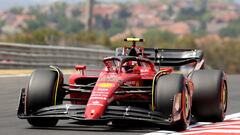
point(161, 86)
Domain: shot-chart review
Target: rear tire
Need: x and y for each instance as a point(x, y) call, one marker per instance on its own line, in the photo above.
point(210, 95)
point(43, 91)
point(172, 99)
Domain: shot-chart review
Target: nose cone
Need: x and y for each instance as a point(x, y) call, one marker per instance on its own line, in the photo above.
point(101, 96)
point(94, 112)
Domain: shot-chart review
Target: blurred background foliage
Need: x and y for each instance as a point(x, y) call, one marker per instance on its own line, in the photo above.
point(55, 27)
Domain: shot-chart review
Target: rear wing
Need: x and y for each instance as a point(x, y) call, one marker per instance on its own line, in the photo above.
point(173, 57)
point(167, 57)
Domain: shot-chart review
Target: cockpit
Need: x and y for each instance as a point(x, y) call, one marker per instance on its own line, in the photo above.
point(128, 64)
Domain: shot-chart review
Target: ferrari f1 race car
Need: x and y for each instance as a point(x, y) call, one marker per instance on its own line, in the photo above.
point(168, 87)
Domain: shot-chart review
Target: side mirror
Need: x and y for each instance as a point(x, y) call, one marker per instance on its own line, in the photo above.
point(81, 68)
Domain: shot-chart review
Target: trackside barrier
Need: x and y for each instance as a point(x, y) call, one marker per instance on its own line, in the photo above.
point(16, 56)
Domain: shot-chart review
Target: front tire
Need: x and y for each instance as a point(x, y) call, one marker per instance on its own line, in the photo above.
point(43, 90)
point(172, 99)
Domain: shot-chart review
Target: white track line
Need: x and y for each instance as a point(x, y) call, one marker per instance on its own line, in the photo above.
point(20, 75)
point(235, 116)
point(232, 116)
point(220, 131)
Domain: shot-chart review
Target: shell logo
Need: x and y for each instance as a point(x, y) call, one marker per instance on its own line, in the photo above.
point(105, 85)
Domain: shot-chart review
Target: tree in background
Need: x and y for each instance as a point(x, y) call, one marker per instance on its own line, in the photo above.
point(40, 22)
point(40, 36)
point(16, 10)
point(100, 38)
point(117, 26)
point(157, 38)
point(232, 30)
point(225, 56)
point(56, 25)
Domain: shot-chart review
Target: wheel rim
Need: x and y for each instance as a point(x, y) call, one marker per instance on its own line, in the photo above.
point(187, 105)
point(224, 97)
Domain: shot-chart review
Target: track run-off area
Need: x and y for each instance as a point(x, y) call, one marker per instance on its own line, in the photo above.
point(10, 125)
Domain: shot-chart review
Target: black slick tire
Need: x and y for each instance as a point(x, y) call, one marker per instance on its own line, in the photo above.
point(210, 95)
point(43, 90)
point(173, 99)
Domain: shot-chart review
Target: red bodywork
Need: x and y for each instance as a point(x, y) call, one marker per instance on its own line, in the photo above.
point(109, 81)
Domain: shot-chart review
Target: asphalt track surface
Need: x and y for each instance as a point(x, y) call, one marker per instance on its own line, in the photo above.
point(11, 125)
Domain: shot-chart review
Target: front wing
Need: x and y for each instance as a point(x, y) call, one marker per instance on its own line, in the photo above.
point(76, 112)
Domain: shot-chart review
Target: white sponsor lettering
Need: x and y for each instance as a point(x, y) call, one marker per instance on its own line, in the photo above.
point(95, 105)
point(103, 98)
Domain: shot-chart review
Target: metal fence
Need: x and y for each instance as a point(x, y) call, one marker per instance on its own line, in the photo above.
point(37, 56)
